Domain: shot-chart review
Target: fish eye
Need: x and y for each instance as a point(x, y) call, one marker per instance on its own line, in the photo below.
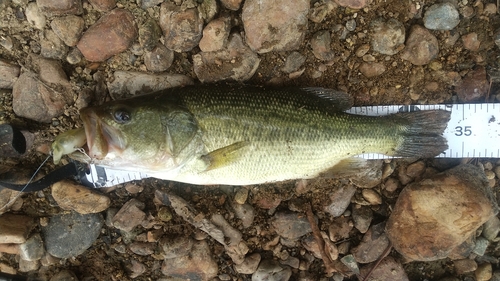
point(122, 116)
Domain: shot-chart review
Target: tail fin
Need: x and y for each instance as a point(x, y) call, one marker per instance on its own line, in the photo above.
point(422, 136)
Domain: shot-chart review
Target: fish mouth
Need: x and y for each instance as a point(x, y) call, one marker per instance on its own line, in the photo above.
point(102, 139)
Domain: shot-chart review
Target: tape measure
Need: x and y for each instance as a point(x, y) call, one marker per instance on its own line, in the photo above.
point(472, 132)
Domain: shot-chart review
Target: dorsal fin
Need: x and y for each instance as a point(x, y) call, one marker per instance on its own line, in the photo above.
point(341, 101)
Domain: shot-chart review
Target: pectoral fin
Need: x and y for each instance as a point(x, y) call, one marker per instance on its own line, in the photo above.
point(224, 156)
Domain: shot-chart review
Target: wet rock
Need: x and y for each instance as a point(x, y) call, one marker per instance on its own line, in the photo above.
point(71, 196)
point(149, 34)
point(421, 46)
point(471, 42)
point(52, 46)
point(293, 62)
point(491, 228)
point(249, 264)
point(60, 7)
point(34, 16)
point(354, 4)
point(340, 198)
point(131, 83)
point(113, 33)
point(198, 265)
point(340, 228)
point(215, 35)
point(473, 86)
point(182, 29)
point(103, 5)
point(271, 270)
point(174, 247)
point(15, 228)
point(129, 216)
point(233, 5)
point(320, 45)
point(69, 29)
point(441, 16)
point(388, 270)
point(245, 212)
point(464, 266)
point(387, 37)
point(291, 225)
point(372, 69)
point(237, 62)
point(142, 248)
point(32, 249)
point(159, 59)
point(275, 25)
point(70, 234)
point(373, 244)
point(434, 216)
point(64, 275)
point(484, 272)
point(9, 73)
point(362, 217)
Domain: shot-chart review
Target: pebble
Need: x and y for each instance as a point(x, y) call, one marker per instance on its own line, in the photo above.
point(9, 72)
point(241, 195)
point(491, 228)
point(159, 59)
point(15, 228)
point(215, 35)
point(249, 264)
point(136, 268)
point(291, 225)
point(421, 46)
point(497, 171)
point(441, 16)
point(9, 249)
point(130, 83)
point(52, 46)
point(391, 185)
point(496, 37)
point(142, 248)
point(474, 86)
point(484, 272)
point(113, 33)
point(464, 266)
point(27, 266)
point(129, 216)
point(64, 275)
point(362, 217)
point(354, 4)
point(233, 5)
point(471, 42)
point(60, 7)
point(339, 199)
point(368, 173)
point(6, 42)
point(68, 28)
point(339, 229)
point(245, 212)
point(198, 265)
point(34, 16)
point(70, 234)
point(208, 10)
point(434, 216)
point(416, 169)
point(463, 250)
point(71, 196)
point(387, 37)
point(182, 29)
point(371, 196)
point(103, 5)
point(32, 249)
point(293, 62)
point(309, 243)
point(320, 45)
point(237, 62)
point(388, 270)
point(174, 247)
point(350, 262)
point(275, 25)
point(373, 244)
point(321, 9)
point(271, 270)
point(370, 70)
point(149, 34)
point(74, 57)
point(480, 246)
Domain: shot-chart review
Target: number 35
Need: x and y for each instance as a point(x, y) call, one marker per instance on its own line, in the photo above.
point(463, 131)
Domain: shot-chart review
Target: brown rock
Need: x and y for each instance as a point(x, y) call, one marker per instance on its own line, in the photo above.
point(372, 245)
point(471, 42)
point(474, 86)
point(354, 4)
point(339, 229)
point(388, 270)
point(372, 69)
point(8, 74)
point(71, 196)
point(182, 28)
point(387, 37)
point(52, 46)
point(15, 228)
point(142, 248)
point(198, 265)
point(215, 35)
point(68, 28)
point(111, 34)
point(436, 215)
point(320, 45)
point(249, 265)
point(233, 5)
point(103, 5)
point(464, 266)
point(339, 199)
point(60, 7)
point(421, 46)
point(129, 216)
point(159, 59)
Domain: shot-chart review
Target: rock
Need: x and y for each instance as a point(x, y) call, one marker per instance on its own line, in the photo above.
point(415, 170)
point(27, 266)
point(10, 249)
point(350, 262)
point(237, 62)
point(434, 216)
point(354, 4)
point(272, 271)
point(491, 228)
point(339, 229)
point(74, 57)
point(208, 9)
point(103, 5)
point(112, 34)
point(145, 4)
point(373, 244)
point(320, 45)
point(34, 16)
point(70, 234)
point(274, 25)
point(182, 29)
point(464, 266)
point(463, 250)
point(362, 217)
point(149, 34)
point(388, 270)
point(340, 198)
point(321, 9)
point(9, 73)
point(245, 212)
point(69, 29)
point(496, 38)
point(367, 174)
point(60, 7)
point(481, 246)
point(175, 247)
point(421, 46)
point(293, 62)
point(471, 42)
point(15, 228)
point(198, 265)
point(474, 86)
point(233, 5)
point(249, 264)
point(215, 35)
point(241, 195)
point(129, 216)
point(130, 83)
point(372, 69)
point(441, 16)
point(52, 46)
point(387, 37)
point(290, 225)
point(64, 275)
point(371, 196)
point(32, 249)
point(159, 59)
point(484, 272)
point(71, 196)
point(142, 248)
point(234, 246)
point(135, 268)
point(310, 244)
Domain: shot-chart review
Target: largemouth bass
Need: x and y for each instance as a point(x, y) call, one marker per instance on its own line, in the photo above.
point(241, 135)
